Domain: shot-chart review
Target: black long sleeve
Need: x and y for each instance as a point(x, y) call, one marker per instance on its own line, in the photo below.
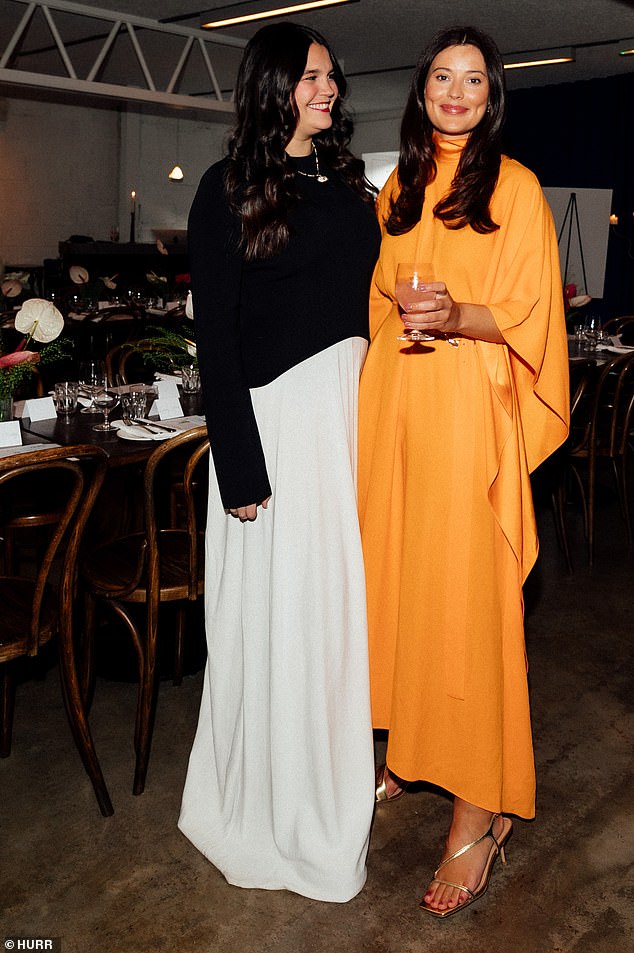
point(256, 320)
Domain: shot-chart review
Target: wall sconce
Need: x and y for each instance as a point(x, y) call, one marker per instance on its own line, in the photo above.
point(614, 219)
point(177, 174)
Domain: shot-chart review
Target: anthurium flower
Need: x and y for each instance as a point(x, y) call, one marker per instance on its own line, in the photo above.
point(11, 287)
point(40, 320)
point(19, 357)
point(78, 275)
point(579, 300)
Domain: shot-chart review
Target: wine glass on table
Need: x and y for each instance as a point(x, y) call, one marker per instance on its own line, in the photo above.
point(92, 377)
point(412, 281)
point(105, 401)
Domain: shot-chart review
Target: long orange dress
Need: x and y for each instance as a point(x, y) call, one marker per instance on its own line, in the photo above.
point(447, 439)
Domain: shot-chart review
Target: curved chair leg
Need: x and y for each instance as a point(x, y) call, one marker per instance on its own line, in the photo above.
point(7, 701)
point(75, 709)
point(179, 644)
point(148, 690)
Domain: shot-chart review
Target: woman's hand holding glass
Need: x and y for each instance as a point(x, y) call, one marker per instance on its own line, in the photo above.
point(428, 310)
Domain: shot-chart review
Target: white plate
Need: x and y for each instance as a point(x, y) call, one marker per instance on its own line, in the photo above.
point(137, 433)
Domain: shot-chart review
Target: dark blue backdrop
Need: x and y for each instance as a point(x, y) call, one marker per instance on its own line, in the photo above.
point(581, 135)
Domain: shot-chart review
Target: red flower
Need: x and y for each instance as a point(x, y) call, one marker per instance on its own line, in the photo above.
point(19, 357)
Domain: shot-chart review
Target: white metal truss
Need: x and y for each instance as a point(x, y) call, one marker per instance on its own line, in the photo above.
point(138, 29)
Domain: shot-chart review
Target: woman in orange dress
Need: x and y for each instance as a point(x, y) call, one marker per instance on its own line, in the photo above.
point(450, 429)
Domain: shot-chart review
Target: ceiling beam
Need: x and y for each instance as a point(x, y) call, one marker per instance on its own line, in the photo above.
point(137, 29)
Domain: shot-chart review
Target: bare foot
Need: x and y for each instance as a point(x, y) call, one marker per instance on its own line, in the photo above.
point(468, 824)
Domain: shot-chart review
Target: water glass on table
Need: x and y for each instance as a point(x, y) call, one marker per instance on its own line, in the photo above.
point(66, 397)
point(190, 376)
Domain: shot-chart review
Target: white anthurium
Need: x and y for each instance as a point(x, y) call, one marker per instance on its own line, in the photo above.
point(78, 275)
point(191, 350)
point(110, 283)
point(189, 306)
point(39, 319)
point(579, 301)
point(11, 287)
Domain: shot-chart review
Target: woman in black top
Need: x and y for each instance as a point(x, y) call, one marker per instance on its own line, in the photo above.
point(282, 242)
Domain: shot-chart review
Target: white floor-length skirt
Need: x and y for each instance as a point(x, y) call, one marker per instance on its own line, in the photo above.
point(280, 784)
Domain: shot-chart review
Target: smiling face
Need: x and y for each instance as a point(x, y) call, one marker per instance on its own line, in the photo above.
point(313, 97)
point(456, 91)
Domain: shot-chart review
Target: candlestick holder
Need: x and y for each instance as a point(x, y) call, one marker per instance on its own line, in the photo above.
point(132, 229)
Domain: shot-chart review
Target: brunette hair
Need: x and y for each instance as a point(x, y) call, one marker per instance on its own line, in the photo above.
point(467, 203)
point(260, 180)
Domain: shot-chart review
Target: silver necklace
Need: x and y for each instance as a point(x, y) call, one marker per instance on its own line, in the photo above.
point(314, 175)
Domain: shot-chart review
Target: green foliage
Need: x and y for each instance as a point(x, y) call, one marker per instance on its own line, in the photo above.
point(165, 350)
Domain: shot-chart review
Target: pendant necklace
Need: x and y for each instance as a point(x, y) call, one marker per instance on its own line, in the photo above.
point(314, 175)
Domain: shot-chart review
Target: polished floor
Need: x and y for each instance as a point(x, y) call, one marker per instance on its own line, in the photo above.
point(133, 884)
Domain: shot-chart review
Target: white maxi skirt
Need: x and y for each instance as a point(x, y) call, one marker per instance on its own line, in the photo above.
point(280, 785)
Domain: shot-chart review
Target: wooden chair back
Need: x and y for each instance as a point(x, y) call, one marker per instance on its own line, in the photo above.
point(39, 601)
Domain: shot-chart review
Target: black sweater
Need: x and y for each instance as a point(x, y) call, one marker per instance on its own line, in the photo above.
point(256, 320)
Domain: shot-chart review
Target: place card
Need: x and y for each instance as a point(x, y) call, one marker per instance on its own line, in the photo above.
point(40, 408)
point(10, 433)
point(167, 407)
point(167, 388)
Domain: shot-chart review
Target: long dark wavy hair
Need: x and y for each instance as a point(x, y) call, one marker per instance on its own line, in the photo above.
point(467, 202)
point(260, 179)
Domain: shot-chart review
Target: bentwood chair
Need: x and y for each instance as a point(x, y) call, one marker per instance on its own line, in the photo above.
point(554, 472)
point(602, 437)
point(136, 574)
point(125, 365)
point(38, 598)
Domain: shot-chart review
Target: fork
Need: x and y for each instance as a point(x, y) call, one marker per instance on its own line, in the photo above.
point(151, 428)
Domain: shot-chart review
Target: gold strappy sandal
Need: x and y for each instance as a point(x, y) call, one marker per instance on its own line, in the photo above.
point(381, 786)
point(497, 847)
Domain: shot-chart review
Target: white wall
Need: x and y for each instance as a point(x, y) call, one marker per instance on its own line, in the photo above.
point(151, 145)
point(58, 175)
point(68, 170)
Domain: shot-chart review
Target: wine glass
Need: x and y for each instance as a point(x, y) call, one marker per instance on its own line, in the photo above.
point(92, 376)
point(591, 330)
point(411, 287)
point(105, 401)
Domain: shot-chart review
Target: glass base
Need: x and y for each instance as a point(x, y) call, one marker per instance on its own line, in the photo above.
point(413, 336)
point(106, 427)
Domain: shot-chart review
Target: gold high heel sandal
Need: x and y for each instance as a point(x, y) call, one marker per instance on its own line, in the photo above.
point(496, 848)
point(380, 793)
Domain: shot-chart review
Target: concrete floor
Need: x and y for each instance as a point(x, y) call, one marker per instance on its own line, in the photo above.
point(133, 884)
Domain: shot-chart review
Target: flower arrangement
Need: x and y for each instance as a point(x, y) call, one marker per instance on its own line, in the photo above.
point(167, 349)
point(573, 303)
point(40, 322)
point(91, 289)
point(169, 291)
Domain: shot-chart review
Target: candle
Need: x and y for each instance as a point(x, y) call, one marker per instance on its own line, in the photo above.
point(132, 215)
point(614, 219)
